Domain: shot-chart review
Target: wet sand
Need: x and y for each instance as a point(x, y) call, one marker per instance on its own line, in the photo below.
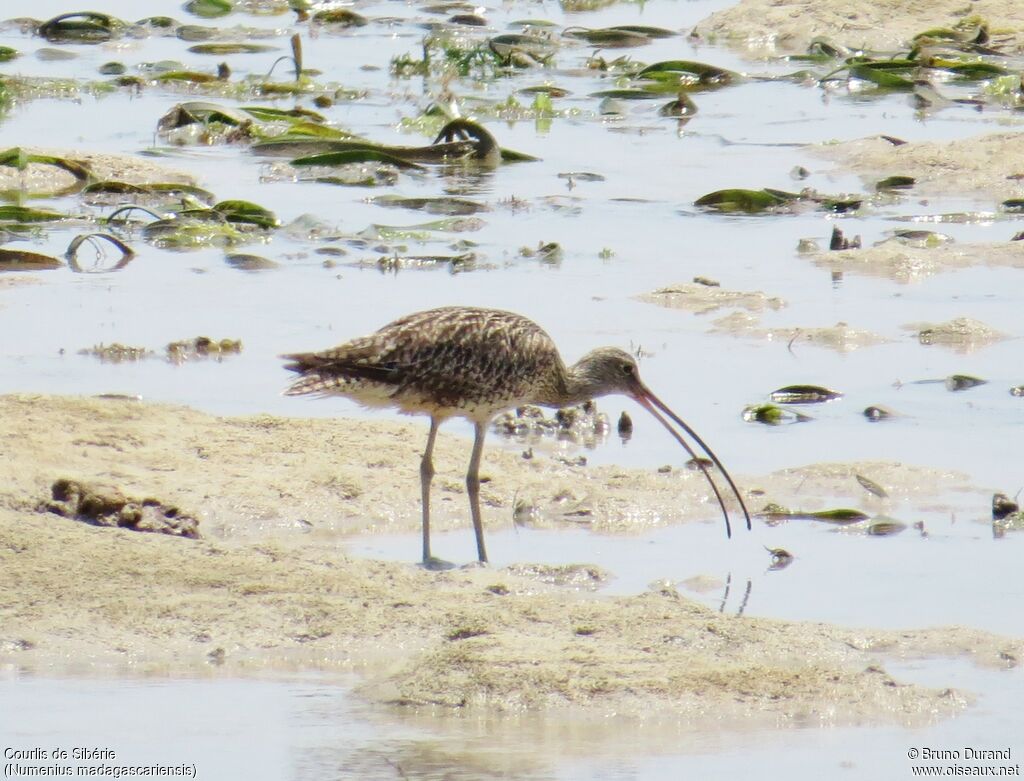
point(268, 588)
point(129, 169)
point(770, 26)
point(982, 167)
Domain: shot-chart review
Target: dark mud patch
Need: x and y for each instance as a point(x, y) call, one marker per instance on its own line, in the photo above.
point(102, 506)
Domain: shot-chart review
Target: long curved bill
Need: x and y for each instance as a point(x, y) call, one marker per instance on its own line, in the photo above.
point(643, 396)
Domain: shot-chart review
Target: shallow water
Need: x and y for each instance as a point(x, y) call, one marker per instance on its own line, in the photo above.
point(309, 729)
point(748, 135)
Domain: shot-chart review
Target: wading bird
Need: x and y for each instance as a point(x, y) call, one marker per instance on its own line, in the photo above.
point(461, 361)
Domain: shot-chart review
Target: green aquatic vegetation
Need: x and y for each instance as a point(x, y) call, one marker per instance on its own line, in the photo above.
point(20, 260)
point(540, 24)
point(184, 233)
point(198, 112)
point(361, 176)
point(745, 201)
point(921, 238)
point(247, 213)
point(32, 88)
point(549, 252)
point(116, 352)
point(582, 6)
point(1005, 85)
point(295, 58)
point(226, 223)
point(895, 183)
point(7, 54)
point(688, 73)
point(872, 487)
point(511, 109)
point(52, 54)
point(623, 66)
point(223, 49)
point(306, 130)
point(301, 86)
point(542, 106)
point(881, 77)
point(627, 93)
point(1010, 522)
point(447, 205)
point(772, 415)
point(446, 55)
point(71, 254)
point(118, 215)
point(550, 90)
point(195, 32)
point(354, 156)
point(459, 139)
point(81, 27)
point(617, 37)
point(188, 77)
point(428, 122)
point(163, 190)
point(209, 9)
point(971, 70)
point(840, 516)
point(296, 115)
point(970, 32)
point(339, 17)
point(963, 52)
point(820, 50)
point(26, 214)
point(648, 30)
point(804, 394)
point(517, 51)
point(454, 263)
point(883, 526)
point(157, 22)
point(229, 124)
point(406, 66)
point(485, 149)
point(246, 262)
point(421, 232)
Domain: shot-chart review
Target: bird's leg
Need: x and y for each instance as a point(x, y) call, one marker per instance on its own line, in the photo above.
point(426, 475)
point(473, 487)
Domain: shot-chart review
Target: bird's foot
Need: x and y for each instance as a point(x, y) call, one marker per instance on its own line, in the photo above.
point(476, 565)
point(435, 564)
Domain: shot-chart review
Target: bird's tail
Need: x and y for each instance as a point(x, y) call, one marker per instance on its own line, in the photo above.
point(310, 382)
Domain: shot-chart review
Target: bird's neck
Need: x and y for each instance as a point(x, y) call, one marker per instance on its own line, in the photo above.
point(576, 387)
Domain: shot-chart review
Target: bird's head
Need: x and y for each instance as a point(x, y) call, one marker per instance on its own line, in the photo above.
point(609, 370)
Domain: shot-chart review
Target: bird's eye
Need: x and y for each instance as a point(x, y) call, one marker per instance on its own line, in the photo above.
point(627, 369)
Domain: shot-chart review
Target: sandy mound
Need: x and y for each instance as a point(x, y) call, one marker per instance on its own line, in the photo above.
point(45, 178)
point(767, 26)
point(988, 166)
point(255, 594)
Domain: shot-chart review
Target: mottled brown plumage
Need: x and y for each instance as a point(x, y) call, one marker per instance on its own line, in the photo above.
point(474, 363)
point(454, 361)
